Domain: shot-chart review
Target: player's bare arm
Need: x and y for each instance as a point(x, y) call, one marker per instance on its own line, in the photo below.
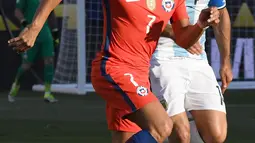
point(222, 32)
point(187, 35)
point(27, 37)
point(168, 32)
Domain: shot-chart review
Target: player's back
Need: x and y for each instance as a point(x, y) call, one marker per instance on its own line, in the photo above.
point(132, 29)
point(168, 49)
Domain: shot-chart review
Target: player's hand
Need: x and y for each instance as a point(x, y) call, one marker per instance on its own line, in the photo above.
point(196, 49)
point(208, 17)
point(25, 40)
point(226, 76)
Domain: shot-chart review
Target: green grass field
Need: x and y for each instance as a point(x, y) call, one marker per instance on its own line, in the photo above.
point(81, 119)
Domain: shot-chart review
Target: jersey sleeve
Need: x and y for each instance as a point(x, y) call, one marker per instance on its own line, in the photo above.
point(217, 3)
point(180, 11)
point(20, 4)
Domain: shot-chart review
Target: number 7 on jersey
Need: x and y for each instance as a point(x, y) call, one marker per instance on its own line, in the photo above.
point(152, 19)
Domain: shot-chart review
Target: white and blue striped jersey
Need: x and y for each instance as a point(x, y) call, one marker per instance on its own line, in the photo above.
point(167, 49)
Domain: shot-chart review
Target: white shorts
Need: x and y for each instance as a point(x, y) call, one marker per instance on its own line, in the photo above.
point(186, 84)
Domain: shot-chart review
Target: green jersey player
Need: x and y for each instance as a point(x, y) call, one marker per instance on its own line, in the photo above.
point(43, 48)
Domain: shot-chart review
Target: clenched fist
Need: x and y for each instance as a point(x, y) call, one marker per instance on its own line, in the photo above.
point(25, 40)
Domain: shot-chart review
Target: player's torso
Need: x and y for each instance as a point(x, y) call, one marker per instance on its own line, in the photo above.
point(167, 49)
point(132, 29)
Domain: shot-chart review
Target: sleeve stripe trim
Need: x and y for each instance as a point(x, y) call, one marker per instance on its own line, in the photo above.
point(222, 7)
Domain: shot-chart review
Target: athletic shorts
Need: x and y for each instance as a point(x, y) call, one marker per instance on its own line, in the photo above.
point(186, 84)
point(125, 90)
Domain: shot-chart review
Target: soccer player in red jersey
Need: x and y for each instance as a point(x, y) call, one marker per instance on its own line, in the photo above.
point(120, 72)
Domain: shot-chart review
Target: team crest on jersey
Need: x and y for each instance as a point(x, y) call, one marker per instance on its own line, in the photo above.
point(142, 91)
point(151, 4)
point(168, 5)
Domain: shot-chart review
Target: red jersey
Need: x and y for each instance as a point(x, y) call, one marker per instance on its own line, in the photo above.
point(120, 72)
point(132, 29)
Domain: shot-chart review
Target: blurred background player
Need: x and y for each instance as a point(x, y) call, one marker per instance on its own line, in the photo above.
point(120, 71)
point(44, 47)
point(187, 82)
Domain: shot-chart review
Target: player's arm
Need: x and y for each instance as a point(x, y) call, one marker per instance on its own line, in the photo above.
point(222, 32)
point(19, 10)
point(168, 32)
point(27, 37)
point(187, 35)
